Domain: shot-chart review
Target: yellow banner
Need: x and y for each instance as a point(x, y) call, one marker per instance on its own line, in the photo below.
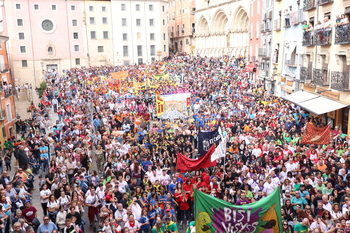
point(161, 76)
point(159, 105)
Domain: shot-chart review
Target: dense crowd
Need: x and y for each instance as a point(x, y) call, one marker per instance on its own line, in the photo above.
point(136, 187)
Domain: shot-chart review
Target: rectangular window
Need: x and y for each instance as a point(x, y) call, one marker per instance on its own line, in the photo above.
point(77, 61)
point(163, 8)
point(151, 22)
point(123, 7)
point(123, 21)
point(24, 63)
point(126, 63)
point(53, 7)
point(19, 22)
point(150, 7)
point(163, 22)
point(163, 36)
point(72, 7)
point(104, 20)
point(21, 35)
point(91, 8)
point(36, 7)
point(92, 20)
point(18, 6)
point(105, 34)
point(9, 113)
point(104, 9)
point(164, 48)
point(153, 50)
point(93, 34)
point(140, 61)
point(75, 22)
point(138, 22)
point(153, 59)
point(76, 48)
point(75, 36)
point(151, 36)
point(22, 49)
point(139, 50)
point(137, 7)
point(125, 51)
point(100, 49)
point(125, 37)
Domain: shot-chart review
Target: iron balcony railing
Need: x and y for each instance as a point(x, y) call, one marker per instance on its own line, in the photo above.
point(323, 36)
point(308, 38)
point(309, 4)
point(305, 74)
point(262, 52)
point(277, 24)
point(320, 77)
point(342, 34)
point(322, 2)
point(340, 81)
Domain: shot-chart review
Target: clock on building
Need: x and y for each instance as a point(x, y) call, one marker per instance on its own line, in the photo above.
point(47, 25)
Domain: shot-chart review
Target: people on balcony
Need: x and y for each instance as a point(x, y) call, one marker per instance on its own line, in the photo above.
point(287, 17)
point(344, 22)
point(320, 33)
point(337, 20)
point(327, 25)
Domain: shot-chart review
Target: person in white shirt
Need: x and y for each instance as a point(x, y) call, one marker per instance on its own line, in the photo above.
point(256, 151)
point(164, 178)
point(291, 166)
point(122, 185)
point(92, 202)
point(136, 209)
point(269, 187)
point(132, 224)
point(119, 215)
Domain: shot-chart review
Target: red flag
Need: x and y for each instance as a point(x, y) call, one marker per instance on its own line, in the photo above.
point(185, 164)
point(315, 135)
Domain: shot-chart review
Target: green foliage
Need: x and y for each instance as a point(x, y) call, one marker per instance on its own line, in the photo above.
point(42, 88)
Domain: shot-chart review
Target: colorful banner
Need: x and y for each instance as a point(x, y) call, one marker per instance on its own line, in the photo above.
point(213, 215)
point(207, 139)
point(177, 101)
point(316, 135)
point(159, 105)
point(120, 75)
point(185, 164)
point(161, 76)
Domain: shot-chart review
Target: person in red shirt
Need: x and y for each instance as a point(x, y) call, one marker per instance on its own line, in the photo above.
point(29, 214)
point(184, 207)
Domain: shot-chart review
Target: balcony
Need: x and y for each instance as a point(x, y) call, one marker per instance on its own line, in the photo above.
point(308, 39)
point(8, 92)
point(320, 36)
point(323, 2)
point(171, 34)
point(262, 52)
point(342, 33)
point(277, 24)
point(340, 81)
point(320, 77)
point(305, 74)
point(309, 5)
point(291, 63)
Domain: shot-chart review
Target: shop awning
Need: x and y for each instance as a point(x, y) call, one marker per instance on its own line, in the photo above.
point(299, 96)
point(321, 105)
point(250, 68)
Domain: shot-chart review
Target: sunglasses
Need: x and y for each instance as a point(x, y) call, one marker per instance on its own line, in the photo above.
point(46, 219)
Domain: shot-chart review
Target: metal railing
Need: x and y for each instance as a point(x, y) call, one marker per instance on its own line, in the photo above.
point(309, 4)
point(342, 34)
point(277, 24)
point(322, 2)
point(323, 36)
point(308, 38)
point(262, 51)
point(340, 81)
point(320, 77)
point(8, 92)
point(305, 74)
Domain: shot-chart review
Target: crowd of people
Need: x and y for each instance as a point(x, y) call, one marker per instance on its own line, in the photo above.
point(135, 187)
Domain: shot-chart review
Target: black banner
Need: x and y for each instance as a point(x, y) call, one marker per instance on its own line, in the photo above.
point(206, 140)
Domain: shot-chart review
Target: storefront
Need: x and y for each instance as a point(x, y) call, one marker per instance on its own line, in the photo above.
point(324, 104)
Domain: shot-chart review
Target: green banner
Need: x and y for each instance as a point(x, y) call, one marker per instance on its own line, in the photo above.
point(213, 215)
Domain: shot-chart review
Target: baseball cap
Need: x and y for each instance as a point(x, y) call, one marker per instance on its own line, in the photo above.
point(26, 201)
point(167, 210)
